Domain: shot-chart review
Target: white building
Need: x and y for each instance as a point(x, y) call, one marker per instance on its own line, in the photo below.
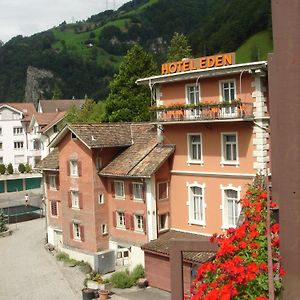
point(14, 118)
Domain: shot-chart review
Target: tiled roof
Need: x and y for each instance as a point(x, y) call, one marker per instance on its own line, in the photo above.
point(103, 135)
point(27, 109)
point(50, 162)
point(59, 105)
point(139, 160)
point(161, 246)
point(44, 119)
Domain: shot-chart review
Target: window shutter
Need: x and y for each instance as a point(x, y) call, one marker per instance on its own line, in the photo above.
point(80, 200)
point(132, 222)
point(68, 168)
point(82, 233)
point(57, 181)
point(71, 231)
point(144, 191)
point(131, 190)
point(69, 199)
point(127, 221)
point(113, 189)
point(144, 225)
point(79, 166)
point(114, 219)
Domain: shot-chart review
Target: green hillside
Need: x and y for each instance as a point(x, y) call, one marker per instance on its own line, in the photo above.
point(84, 56)
point(255, 48)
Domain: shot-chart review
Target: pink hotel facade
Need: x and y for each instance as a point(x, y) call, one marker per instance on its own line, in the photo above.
point(182, 175)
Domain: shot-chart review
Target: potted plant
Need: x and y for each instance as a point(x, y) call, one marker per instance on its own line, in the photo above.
point(95, 281)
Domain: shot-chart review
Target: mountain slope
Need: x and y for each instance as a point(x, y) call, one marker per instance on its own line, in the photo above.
point(85, 55)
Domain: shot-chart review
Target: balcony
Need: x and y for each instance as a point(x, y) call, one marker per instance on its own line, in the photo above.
point(203, 112)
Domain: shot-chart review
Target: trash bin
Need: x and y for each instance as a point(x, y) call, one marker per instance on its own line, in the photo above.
point(88, 294)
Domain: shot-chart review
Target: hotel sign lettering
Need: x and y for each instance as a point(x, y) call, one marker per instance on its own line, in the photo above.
point(205, 62)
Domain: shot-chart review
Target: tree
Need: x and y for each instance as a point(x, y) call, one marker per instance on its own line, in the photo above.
point(128, 101)
point(10, 168)
point(179, 48)
point(3, 221)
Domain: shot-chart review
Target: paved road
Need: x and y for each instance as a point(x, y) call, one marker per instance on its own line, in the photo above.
point(28, 271)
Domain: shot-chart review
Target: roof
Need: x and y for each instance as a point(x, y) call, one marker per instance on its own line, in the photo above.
point(47, 120)
point(161, 246)
point(49, 106)
point(203, 73)
point(98, 135)
point(50, 162)
point(27, 109)
point(139, 160)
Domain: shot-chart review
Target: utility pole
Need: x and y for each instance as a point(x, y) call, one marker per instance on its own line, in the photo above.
point(284, 95)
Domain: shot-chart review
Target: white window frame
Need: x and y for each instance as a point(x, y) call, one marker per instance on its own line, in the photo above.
point(167, 190)
point(138, 223)
point(192, 220)
point(73, 167)
point(18, 143)
point(166, 215)
point(101, 199)
point(221, 87)
point(75, 199)
point(120, 220)
point(190, 148)
point(122, 186)
point(56, 203)
point(223, 206)
point(187, 93)
point(104, 229)
point(52, 182)
point(140, 190)
point(223, 149)
point(18, 130)
point(76, 232)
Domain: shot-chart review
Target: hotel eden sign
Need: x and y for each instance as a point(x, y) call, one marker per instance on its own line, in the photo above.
point(206, 62)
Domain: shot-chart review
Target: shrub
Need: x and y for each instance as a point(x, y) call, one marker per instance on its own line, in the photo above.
point(137, 272)
point(84, 267)
point(22, 168)
point(122, 280)
point(28, 168)
point(2, 169)
point(10, 169)
point(62, 256)
point(3, 221)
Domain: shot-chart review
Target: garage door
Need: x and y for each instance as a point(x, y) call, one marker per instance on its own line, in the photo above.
point(157, 269)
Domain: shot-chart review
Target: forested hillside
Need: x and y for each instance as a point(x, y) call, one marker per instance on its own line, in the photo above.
point(85, 55)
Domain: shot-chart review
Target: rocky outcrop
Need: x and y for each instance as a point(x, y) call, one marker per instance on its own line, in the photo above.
point(36, 84)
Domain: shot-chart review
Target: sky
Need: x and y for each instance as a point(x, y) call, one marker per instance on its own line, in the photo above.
point(26, 17)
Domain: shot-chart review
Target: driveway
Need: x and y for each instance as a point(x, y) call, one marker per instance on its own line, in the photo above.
point(28, 271)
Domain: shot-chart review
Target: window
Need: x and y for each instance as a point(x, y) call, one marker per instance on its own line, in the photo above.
point(54, 210)
point(52, 182)
point(1, 159)
point(18, 130)
point(18, 145)
point(55, 128)
point(75, 199)
point(229, 145)
point(163, 222)
point(1, 146)
point(231, 207)
point(98, 163)
point(228, 90)
point(120, 219)
point(162, 189)
point(119, 189)
point(76, 231)
point(194, 148)
point(104, 229)
point(101, 198)
point(73, 167)
point(196, 202)
point(37, 144)
point(0, 130)
point(73, 136)
point(138, 192)
point(138, 223)
point(18, 159)
point(192, 94)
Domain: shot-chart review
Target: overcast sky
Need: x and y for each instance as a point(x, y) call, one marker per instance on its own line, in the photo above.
point(27, 17)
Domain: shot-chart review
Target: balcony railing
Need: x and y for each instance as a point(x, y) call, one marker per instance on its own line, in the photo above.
point(203, 112)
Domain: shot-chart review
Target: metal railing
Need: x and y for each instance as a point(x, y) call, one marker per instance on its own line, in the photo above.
point(203, 112)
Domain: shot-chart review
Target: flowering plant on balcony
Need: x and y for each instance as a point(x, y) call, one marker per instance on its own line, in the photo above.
point(206, 104)
point(239, 269)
